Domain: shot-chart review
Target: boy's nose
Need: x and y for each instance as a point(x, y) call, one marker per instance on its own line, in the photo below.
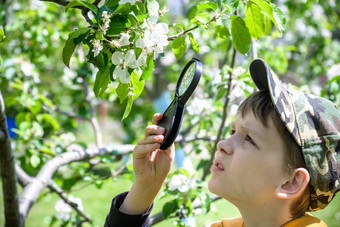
point(225, 146)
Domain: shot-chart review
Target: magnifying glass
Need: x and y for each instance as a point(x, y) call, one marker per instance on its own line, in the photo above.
point(173, 115)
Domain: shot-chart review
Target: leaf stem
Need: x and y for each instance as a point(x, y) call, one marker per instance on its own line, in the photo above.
point(170, 38)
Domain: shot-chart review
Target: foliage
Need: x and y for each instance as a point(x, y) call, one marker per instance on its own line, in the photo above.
point(57, 68)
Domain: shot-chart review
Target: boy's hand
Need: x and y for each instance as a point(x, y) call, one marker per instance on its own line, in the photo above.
point(151, 166)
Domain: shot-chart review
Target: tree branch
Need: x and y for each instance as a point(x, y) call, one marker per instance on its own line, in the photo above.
point(93, 119)
point(31, 192)
point(9, 179)
point(224, 117)
point(170, 38)
point(55, 188)
point(84, 10)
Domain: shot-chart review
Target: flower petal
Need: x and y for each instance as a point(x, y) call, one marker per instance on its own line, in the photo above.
point(124, 39)
point(123, 75)
point(117, 58)
point(130, 59)
point(152, 20)
point(140, 43)
point(161, 28)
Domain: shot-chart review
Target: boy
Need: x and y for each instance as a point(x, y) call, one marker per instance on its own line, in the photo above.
point(281, 160)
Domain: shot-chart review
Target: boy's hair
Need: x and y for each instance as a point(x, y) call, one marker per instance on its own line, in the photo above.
point(314, 123)
point(262, 107)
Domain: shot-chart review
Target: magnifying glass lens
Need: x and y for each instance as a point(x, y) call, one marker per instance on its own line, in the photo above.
point(187, 78)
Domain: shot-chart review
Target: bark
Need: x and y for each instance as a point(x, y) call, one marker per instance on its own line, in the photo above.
point(9, 179)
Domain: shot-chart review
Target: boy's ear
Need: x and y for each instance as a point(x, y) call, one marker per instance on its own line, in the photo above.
point(294, 186)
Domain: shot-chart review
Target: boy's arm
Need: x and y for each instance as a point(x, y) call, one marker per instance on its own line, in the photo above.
point(151, 167)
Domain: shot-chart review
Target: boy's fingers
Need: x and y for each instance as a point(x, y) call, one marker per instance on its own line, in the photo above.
point(151, 139)
point(154, 130)
point(156, 118)
point(142, 150)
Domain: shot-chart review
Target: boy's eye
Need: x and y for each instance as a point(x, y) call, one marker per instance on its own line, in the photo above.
point(232, 132)
point(250, 140)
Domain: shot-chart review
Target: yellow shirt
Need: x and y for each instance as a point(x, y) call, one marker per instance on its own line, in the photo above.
point(304, 221)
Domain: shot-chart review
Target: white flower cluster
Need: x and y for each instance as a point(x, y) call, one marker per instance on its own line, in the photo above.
point(198, 105)
point(64, 210)
point(154, 39)
point(182, 183)
point(97, 47)
point(106, 19)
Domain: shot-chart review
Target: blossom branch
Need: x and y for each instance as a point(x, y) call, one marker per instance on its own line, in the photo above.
point(170, 38)
point(55, 188)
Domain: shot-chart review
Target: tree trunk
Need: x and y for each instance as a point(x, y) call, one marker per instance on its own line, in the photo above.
point(7, 167)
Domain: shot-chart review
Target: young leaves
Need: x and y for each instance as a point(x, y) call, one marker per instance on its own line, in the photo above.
point(254, 19)
point(240, 34)
point(133, 92)
point(179, 47)
point(70, 44)
point(90, 6)
point(273, 12)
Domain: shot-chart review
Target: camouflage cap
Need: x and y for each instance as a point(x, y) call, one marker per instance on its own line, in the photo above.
point(314, 122)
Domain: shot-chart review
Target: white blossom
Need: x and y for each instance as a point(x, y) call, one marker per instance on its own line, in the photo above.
point(122, 64)
point(182, 183)
point(97, 47)
point(333, 71)
point(132, 2)
point(77, 201)
point(106, 16)
point(154, 35)
point(106, 19)
point(197, 106)
point(63, 209)
point(124, 39)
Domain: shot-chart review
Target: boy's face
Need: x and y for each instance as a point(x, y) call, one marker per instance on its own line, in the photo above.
point(250, 164)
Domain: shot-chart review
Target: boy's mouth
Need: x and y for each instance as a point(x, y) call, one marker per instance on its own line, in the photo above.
point(217, 165)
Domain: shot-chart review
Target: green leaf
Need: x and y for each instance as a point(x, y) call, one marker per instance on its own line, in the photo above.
point(148, 70)
point(49, 120)
point(2, 35)
point(205, 201)
point(170, 208)
point(123, 9)
point(117, 25)
point(254, 19)
point(128, 107)
point(153, 7)
point(231, 5)
point(273, 12)
point(70, 45)
point(279, 18)
point(90, 6)
point(194, 43)
point(240, 34)
point(138, 85)
point(206, 5)
point(102, 81)
point(122, 91)
point(34, 161)
point(222, 31)
point(179, 47)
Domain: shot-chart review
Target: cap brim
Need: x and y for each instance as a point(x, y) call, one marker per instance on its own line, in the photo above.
point(265, 79)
